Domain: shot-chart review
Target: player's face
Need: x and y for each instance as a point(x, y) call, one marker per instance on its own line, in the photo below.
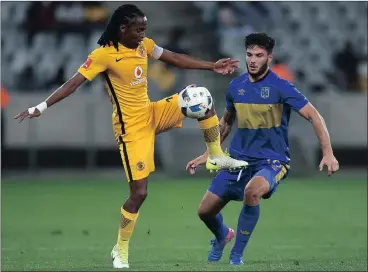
point(257, 60)
point(134, 34)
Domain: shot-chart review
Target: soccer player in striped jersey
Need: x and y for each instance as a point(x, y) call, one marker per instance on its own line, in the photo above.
point(262, 103)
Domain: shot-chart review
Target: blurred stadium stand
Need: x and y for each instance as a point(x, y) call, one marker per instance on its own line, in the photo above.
point(43, 43)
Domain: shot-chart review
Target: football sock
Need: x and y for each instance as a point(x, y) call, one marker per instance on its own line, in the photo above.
point(126, 227)
point(211, 132)
point(247, 221)
point(216, 225)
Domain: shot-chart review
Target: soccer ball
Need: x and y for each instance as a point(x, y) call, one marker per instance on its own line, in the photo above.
point(195, 102)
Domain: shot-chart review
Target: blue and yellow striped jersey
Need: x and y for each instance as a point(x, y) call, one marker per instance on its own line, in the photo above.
point(263, 111)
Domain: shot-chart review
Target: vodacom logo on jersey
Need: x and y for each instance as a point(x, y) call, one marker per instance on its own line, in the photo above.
point(138, 72)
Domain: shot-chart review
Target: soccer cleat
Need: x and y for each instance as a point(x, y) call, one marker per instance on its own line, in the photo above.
point(119, 258)
point(224, 162)
point(236, 259)
point(218, 247)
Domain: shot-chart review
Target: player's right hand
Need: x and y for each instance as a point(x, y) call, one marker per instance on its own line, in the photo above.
point(193, 164)
point(26, 113)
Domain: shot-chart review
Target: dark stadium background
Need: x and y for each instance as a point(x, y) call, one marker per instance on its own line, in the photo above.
point(62, 180)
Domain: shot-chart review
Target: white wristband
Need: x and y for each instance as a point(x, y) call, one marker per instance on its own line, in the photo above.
point(41, 107)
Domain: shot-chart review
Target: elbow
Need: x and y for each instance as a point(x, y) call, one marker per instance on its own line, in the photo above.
point(314, 116)
point(318, 117)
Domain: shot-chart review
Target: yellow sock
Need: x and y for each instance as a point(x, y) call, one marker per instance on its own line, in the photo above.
point(126, 227)
point(211, 132)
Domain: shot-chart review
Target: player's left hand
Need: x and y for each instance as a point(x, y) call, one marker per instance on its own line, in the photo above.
point(331, 163)
point(226, 66)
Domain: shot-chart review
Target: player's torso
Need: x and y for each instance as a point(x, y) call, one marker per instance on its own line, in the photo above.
point(257, 105)
point(261, 121)
point(127, 72)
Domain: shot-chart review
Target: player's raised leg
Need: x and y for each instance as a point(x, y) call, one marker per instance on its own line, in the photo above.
point(217, 159)
point(210, 213)
point(197, 103)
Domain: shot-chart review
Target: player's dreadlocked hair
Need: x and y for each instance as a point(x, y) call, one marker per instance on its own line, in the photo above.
point(261, 40)
point(125, 14)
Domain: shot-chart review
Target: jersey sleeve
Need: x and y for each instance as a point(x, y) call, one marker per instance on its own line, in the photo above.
point(96, 63)
point(229, 100)
point(153, 50)
point(292, 96)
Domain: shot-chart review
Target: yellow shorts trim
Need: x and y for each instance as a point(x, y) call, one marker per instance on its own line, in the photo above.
point(282, 173)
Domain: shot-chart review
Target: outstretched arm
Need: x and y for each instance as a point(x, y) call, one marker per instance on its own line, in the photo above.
point(66, 89)
point(222, 66)
point(95, 64)
point(300, 104)
point(62, 92)
point(312, 115)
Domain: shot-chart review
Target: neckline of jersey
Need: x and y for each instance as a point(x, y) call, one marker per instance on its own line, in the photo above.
point(262, 78)
point(126, 48)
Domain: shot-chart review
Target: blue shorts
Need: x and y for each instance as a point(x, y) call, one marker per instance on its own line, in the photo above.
point(226, 186)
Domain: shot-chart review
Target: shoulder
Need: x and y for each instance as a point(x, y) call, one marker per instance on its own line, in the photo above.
point(242, 79)
point(101, 51)
point(280, 83)
point(148, 42)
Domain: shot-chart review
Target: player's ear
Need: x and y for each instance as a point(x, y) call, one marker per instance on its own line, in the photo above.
point(122, 28)
point(270, 58)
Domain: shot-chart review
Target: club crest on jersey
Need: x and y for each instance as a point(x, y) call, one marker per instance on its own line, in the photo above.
point(265, 92)
point(138, 72)
point(141, 51)
point(241, 92)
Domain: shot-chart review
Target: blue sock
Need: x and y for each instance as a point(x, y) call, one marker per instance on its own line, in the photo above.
point(225, 229)
point(247, 221)
point(216, 225)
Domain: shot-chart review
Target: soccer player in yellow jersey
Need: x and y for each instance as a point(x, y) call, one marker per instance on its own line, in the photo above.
point(121, 59)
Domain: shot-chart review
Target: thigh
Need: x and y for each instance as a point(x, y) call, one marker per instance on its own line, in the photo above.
point(273, 173)
point(138, 156)
point(227, 186)
point(167, 114)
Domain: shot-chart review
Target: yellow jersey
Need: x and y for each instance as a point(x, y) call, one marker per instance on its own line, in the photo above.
point(124, 74)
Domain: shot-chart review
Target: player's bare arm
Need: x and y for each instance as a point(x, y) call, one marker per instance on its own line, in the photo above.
point(226, 124)
point(62, 92)
point(310, 113)
point(182, 61)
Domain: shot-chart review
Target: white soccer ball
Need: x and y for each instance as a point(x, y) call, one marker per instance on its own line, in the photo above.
point(195, 102)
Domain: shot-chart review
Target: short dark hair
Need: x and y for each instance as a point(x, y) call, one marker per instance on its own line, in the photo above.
point(260, 39)
point(125, 14)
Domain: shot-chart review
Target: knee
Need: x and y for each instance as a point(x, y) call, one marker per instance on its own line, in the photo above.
point(203, 214)
point(209, 114)
point(255, 190)
point(139, 196)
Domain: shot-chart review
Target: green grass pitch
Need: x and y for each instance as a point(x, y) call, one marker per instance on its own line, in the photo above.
point(307, 225)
